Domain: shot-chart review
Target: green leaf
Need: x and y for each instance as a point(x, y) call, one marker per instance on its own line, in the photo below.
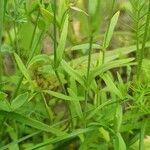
point(110, 55)
point(110, 30)
point(119, 143)
point(4, 105)
point(41, 24)
point(46, 14)
point(94, 13)
point(19, 100)
point(146, 71)
point(14, 136)
point(85, 46)
point(110, 65)
point(97, 109)
point(76, 104)
point(73, 73)
point(22, 68)
point(118, 117)
point(93, 4)
point(2, 95)
point(105, 134)
point(142, 136)
point(62, 41)
point(38, 59)
point(31, 122)
point(112, 87)
point(62, 96)
point(78, 9)
point(64, 137)
point(32, 6)
point(22, 139)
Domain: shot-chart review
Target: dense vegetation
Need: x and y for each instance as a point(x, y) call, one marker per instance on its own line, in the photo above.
point(75, 74)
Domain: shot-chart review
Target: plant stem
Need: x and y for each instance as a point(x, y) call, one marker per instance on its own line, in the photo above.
point(16, 39)
point(89, 57)
point(30, 57)
point(88, 70)
point(21, 78)
point(55, 46)
point(103, 55)
point(60, 82)
point(47, 107)
point(55, 55)
point(34, 30)
point(141, 51)
point(34, 48)
point(1, 30)
point(137, 37)
point(55, 33)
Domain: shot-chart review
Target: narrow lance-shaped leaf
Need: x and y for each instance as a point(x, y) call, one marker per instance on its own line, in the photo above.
point(78, 9)
point(5, 105)
point(73, 73)
point(142, 136)
point(46, 14)
point(110, 65)
point(19, 101)
point(62, 41)
point(112, 87)
point(110, 30)
point(62, 96)
point(39, 58)
point(119, 143)
point(31, 122)
point(94, 13)
point(76, 104)
point(118, 117)
point(93, 7)
point(97, 109)
point(85, 46)
point(63, 137)
point(22, 68)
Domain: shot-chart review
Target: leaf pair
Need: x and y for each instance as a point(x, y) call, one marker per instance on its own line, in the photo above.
point(16, 103)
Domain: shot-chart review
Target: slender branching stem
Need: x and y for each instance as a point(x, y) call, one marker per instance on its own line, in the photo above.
point(56, 63)
point(88, 69)
point(89, 57)
point(16, 44)
point(34, 30)
point(30, 57)
point(55, 46)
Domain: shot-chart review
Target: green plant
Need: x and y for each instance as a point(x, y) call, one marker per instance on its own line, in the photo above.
point(74, 74)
